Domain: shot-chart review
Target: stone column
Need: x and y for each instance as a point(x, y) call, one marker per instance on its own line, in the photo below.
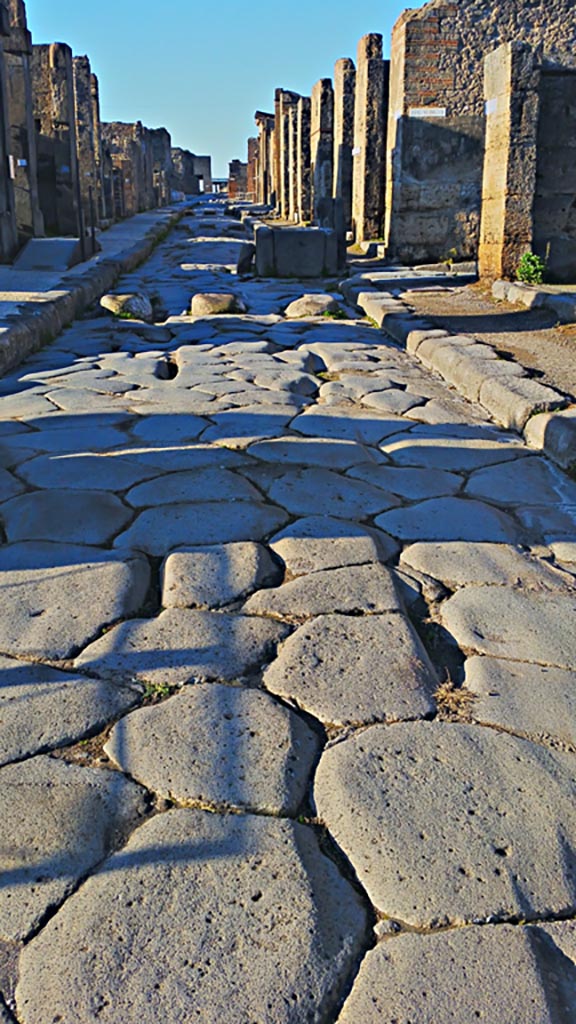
point(98, 150)
point(251, 189)
point(294, 202)
point(370, 117)
point(264, 187)
point(85, 141)
point(284, 100)
point(18, 52)
point(510, 163)
point(321, 142)
point(344, 99)
point(303, 147)
point(54, 112)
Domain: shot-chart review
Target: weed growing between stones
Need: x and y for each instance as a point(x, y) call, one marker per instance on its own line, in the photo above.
point(531, 269)
point(454, 704)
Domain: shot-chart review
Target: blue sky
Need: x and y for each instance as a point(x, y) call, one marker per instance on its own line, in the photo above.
point(202, 72)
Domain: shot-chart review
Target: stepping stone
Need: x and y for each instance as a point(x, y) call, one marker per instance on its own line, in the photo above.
point(442, 824)
point(350, 424)
point(450, 453)
point(10, 487)
point(412, 484)
point(450, 519)
point(58, 822)
point(534, 700)
point(194, 486)
point(350, 671)
point(159, 530)
point(214, 576)
point(320, 542)
point(61, 708)
point(182, 646)
point(192, 892)
point(322, 492)
point(91, 472)
point(520, 625)
point(312, 305)
point(169, 429)
point(300, 451)
point(467, 975)
point(353, 589)
point(78, 517)
point(458, 564)
point(55, 598)
point(221, 745)
point(243, 427)
point(534, 480)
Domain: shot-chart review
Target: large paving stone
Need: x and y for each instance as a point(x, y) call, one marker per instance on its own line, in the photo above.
point(242, 427)
point(220, 745)
point(501, 975)
point(528, 481)
point(320, 542)
point(450, 519)
point(413, 484)
point(460, 564)
point(351, 589)
point(77, 517)
point(90, 472)
point(41, 708)
point(517, 624)
point(182, 646)
point(180, 458)
point(56, 599)
point(448, 824)
point(58, 822)
point(455, 454)
point(323, 492)
point(214, 576)
point(230, 918)
point(352, 670)
point(535, 700)
point(159, 530)
point(10, 486)
point(169, 429)
point(321, 452)
point(69, 434)
point(347, 423)
point(199, 485)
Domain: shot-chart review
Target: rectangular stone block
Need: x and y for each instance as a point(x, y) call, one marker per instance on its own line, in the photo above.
point(295, 252)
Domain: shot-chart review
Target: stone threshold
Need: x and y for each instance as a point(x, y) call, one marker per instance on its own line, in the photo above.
point(45, 318)
point(504, 388)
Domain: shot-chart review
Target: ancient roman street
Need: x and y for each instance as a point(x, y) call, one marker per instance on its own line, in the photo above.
point(288, 729)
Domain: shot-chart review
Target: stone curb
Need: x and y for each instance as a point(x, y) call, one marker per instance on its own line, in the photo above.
point(563, 304)
point(502, 387)
point(31, 331)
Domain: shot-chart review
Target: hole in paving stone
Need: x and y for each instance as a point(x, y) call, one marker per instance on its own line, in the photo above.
point(167, 369)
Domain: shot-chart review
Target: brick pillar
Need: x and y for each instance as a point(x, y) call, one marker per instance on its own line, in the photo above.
point(303, 144)
point(18, 53)
point(370, 116)
point(344, 99)
point(509, 184)
point(321, 142)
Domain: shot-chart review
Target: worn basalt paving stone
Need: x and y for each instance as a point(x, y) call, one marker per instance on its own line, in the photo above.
point(535, 700)
point(41, 708)
point(450, 519)
point(412, 484)
point(237, 918)
point(348, 424)
point(392, 401)
point(441, 824)
point(242, 427)
point(169, 430)
point(351, 589)
point(199, 485)
point(214, 576)
point(58, 822)
point(221, 745)
point(323, 492)
point(77, 517)
point(56, 599)
point(91, 472)
point(461, 564)
point(320, 542)
point(10, 486)
point(351, 670)
point(159, 530)
point(182, 646)
point(84, 437)
point(182, 458)
point(508, 623)
point(321, 452)
point(531, 481)
point(499, 974)
point(455, 454)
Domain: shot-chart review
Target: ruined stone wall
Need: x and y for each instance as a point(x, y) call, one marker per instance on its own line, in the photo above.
point(251, 187)
point(163, 169)
point(437, 122)
point(55, 116)
point(22, 131)
point(131, 151)
point(203, 171)
point(237, 179)
point(86, 140)
point(184, 178)
point(554, 208)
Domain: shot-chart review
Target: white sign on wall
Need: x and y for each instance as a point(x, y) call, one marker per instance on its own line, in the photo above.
point(424, 112)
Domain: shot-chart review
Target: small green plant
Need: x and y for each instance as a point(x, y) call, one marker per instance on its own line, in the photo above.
point(124, 315)
point(449, 259)
point(337, 314)
point(155, 692)
point(531, 269)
